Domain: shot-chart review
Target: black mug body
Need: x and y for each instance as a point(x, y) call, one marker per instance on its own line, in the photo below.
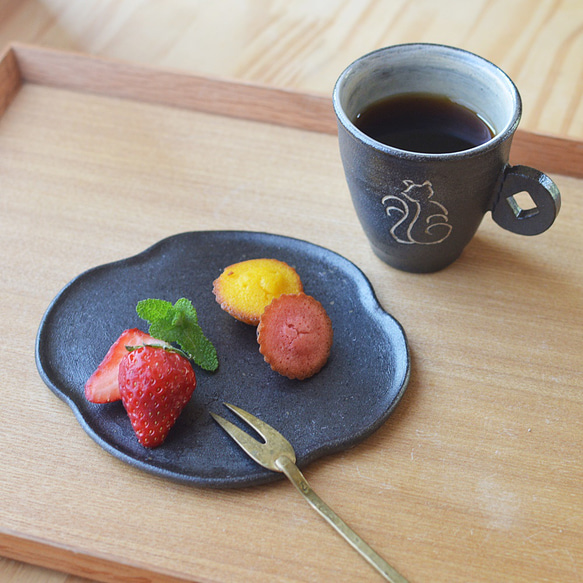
point(419, 217)
point(420, 210)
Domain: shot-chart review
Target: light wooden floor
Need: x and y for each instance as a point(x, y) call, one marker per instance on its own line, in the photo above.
point(305, 44)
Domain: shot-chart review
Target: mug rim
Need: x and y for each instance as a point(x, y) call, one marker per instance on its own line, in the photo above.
point(501, 136)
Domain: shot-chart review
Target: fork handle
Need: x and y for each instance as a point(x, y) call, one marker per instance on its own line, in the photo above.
point(289, 468)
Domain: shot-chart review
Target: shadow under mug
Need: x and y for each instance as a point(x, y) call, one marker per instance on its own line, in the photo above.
point(420, 210)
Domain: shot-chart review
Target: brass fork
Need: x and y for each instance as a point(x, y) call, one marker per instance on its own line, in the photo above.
point(277, 454)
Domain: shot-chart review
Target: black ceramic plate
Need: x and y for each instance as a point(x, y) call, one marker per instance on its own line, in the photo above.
point(350, 398)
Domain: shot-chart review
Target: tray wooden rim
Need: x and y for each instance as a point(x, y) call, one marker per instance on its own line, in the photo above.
point(21, 63)
point(50, 555)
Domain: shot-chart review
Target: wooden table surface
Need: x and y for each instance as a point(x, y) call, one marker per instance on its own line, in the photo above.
point(304, 46)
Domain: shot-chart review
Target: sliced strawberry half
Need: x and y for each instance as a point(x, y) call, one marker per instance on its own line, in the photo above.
point(103, 385)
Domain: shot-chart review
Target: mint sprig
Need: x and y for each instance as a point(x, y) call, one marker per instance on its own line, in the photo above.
point(179, 323)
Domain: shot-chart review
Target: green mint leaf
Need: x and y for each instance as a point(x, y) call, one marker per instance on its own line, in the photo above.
point(179, 323)
point(185, 312)
point(153, 310)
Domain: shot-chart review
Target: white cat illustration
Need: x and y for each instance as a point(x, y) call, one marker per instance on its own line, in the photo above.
point(416, 219)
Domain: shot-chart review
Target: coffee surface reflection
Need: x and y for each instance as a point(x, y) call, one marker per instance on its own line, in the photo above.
point(423, 123)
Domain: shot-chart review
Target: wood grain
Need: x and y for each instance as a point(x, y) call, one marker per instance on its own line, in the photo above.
point(477, 474)
point(10, 78)
point(45, 553)
point(548, 153)
point(246, 101)
point(305, 45)
point(126, 80)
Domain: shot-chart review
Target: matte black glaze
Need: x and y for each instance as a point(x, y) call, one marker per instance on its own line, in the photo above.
point(419, 209)
point(350, 398)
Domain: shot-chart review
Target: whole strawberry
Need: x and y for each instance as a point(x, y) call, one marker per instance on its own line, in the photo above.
point(155, 385)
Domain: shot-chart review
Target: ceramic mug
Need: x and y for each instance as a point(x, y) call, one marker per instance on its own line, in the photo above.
point(419, 210)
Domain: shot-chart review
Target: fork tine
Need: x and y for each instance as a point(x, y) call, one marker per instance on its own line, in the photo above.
point(266, 431)
point(242, 438)
point(264, 454)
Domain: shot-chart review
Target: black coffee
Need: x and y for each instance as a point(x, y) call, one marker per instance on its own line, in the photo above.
point(421, 122)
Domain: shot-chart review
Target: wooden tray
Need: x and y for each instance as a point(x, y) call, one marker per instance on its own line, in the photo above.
point(476, 476)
